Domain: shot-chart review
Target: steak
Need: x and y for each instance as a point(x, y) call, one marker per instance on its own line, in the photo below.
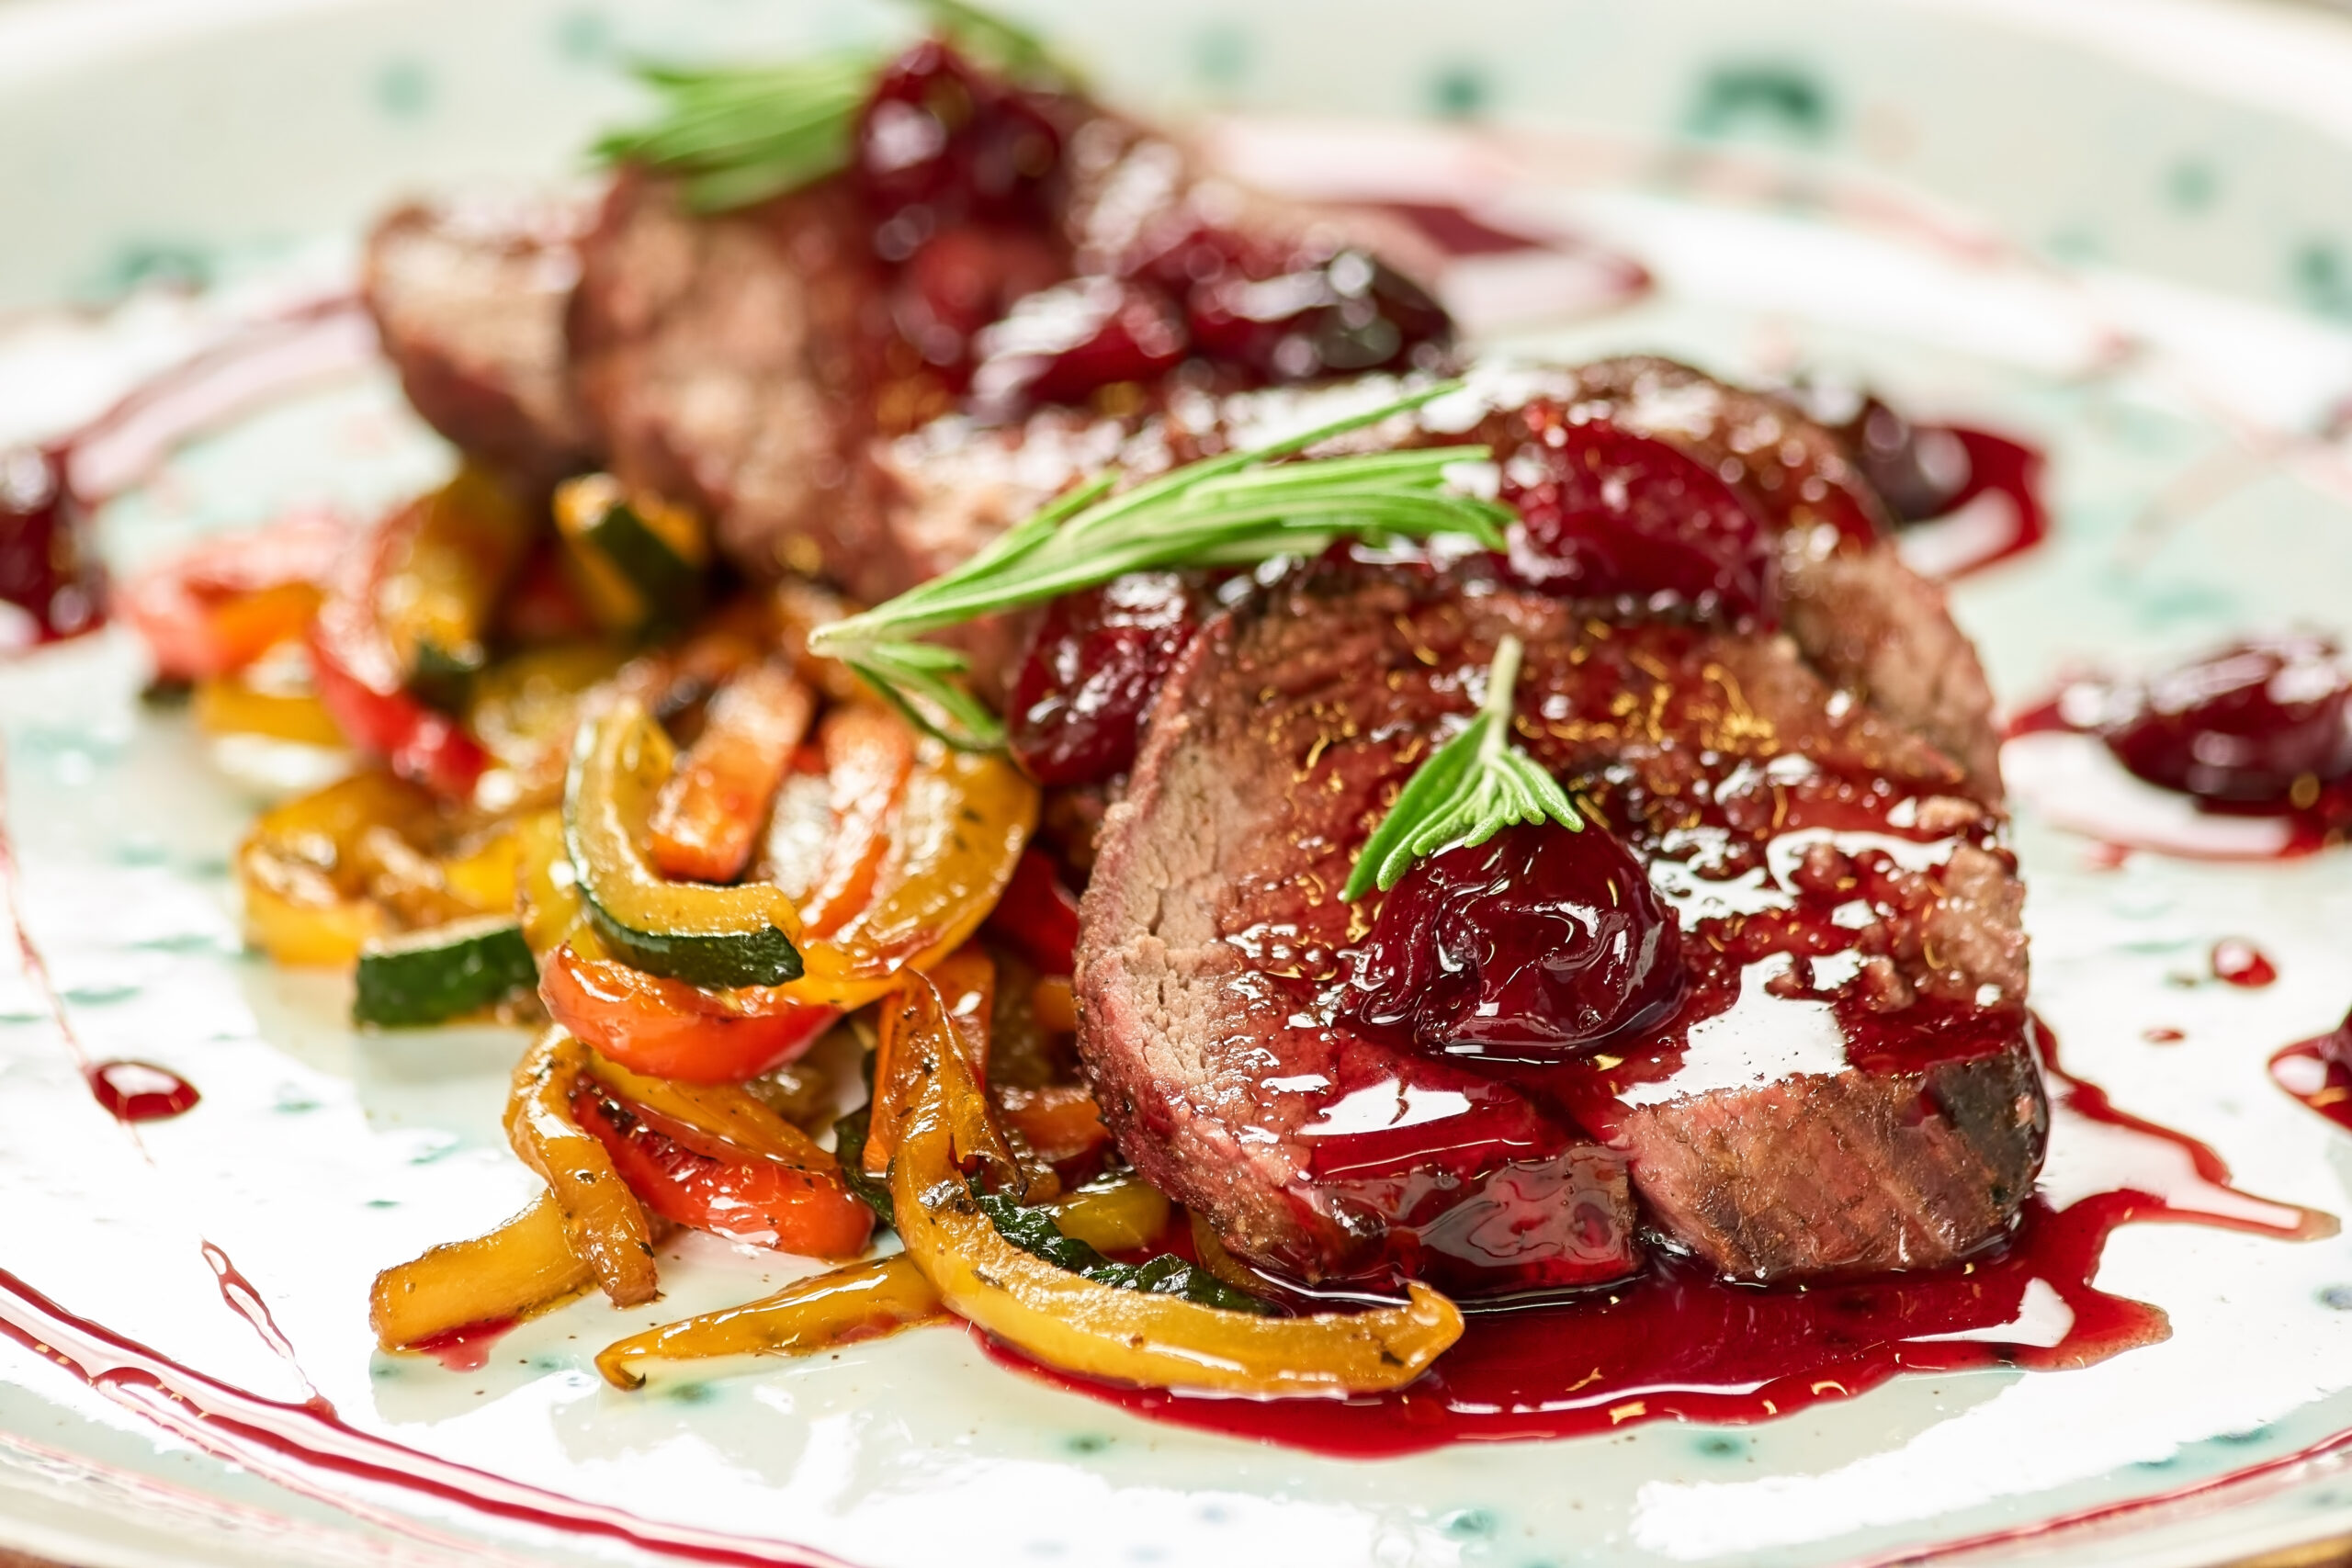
point(468, 298)
point(1846, 1084)
point(727, 363)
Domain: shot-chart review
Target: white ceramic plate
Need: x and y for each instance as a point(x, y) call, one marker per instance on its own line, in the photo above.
point(2114, 230)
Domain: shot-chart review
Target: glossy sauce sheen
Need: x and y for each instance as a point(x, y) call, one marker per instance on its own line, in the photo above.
point(2260, 729)
point(1678, 1343)
point(139, 1091)
point(2319, 1073)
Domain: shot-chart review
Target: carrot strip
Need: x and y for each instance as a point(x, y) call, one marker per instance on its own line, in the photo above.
point(708, 816)
point(869, 752)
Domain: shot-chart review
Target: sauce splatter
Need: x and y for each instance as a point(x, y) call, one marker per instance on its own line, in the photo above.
point(141, 1091)
point(1678, 1343)
point(2319, 1073)
point(2239, 962)
point(465, 1349)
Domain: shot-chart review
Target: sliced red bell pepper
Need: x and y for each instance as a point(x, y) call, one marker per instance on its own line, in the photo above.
point(361, 682)
point(1038, 916)
point(216, 608)
point(668, 1029)
point(759, 1201)
point(708, 819)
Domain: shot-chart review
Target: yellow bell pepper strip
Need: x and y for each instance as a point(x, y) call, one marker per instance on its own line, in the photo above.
point(1120, 1214)
point(485, 878)
point(302, 874)
point(742, 1125)
point(866, 1301)
point(229, 705)
point(824, 1312)
point(955, 993)
point(602, 1217)
point(869, 751)
point(524, 709)
point(962, 821)
point(523, 1266)
point(407, 882)
point(707, 819)
point(1125, 1336)
point(692, 932)
point(443, 567)
point(546, 890)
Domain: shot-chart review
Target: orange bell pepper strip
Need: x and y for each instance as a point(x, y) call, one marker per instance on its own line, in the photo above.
point(668, 1029)
point(962, 821)
point(707, 819)
point(1060, 1123)
point(214, 609)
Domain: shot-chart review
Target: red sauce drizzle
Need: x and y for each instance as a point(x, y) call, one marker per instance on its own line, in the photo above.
point(141, 1091)
point(1678, 1343)
point(50, 492)
point(2319, 1073)
point(2240, 963)
point(465, 1349)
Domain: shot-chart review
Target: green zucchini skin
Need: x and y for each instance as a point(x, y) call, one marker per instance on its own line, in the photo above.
point(431, 976)
point(718, 938)
point(715, 962)
point(670, 586)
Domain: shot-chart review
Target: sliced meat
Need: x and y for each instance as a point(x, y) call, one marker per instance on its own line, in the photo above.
point(1816, 1103)
point(1865, 620)
point(469, 297)
point(727, 363)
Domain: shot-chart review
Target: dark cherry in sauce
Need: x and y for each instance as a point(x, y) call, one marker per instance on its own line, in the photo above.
point(46, 567)
point(140, 1091)
point(2262, 728)
point(965, 175)
point(1605, 512)
point(2264, 722)
point(1539, 944)
point(1093, 666)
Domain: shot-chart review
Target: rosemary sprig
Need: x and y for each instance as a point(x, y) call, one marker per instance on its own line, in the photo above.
point(1470, 788)
point(736, 135)
point(1237, 508)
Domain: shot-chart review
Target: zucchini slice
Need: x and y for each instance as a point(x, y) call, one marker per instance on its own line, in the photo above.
point(430, 976)
point(457, 549)
point(639, 560)
point(697, 931)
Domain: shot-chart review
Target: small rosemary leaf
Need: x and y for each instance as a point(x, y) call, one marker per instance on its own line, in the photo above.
point(924, 656)
point(1389, 850)
point(1470, 789)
